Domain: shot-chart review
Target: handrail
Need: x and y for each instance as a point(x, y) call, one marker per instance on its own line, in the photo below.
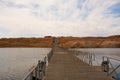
point(38, 72)
point(111, 58)
point(29, 73)
point(90, 57)
point(108, 66)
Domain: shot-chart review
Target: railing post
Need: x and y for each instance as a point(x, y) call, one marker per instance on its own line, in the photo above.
point(91, 59)
point(31, 76)
point(107, 66)
point(44, 66)
point(36, 73)
point(94, 56)
point(39, 63)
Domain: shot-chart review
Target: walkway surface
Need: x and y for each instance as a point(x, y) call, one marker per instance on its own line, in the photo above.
point(65, 66)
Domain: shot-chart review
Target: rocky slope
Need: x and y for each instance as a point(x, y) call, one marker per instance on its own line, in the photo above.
point(90, 42)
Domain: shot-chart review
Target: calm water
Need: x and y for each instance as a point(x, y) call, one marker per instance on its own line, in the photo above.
point(16, 62)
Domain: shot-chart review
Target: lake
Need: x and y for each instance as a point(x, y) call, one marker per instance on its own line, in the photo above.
point(16, 62)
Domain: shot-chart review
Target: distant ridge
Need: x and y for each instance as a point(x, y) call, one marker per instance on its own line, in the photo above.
point(90, 42)
point(66, 42)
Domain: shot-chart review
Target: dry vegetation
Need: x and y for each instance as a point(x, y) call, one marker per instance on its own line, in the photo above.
point(26, 42)
point(66, 42)
point(90, 42)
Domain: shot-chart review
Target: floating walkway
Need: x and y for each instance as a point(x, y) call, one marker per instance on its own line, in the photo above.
point(65, 66)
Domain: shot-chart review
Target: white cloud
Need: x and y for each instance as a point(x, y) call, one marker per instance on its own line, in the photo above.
point(34, 18)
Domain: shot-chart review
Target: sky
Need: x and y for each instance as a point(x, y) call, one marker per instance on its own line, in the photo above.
point(38, 18)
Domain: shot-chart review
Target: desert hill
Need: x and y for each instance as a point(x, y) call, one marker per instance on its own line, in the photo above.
point(90, 42)
point(66, 42)
point(26, 42)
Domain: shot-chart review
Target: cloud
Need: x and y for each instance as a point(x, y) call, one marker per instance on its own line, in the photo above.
point(115, 10)
point(36, 18)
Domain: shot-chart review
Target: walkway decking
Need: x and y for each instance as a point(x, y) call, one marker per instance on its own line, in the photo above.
point(65, 66)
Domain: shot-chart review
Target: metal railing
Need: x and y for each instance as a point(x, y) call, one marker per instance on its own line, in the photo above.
point(86, 57)
point(107, 65)
point(38, 72)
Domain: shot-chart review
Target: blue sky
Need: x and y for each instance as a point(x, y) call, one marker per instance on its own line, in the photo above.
point(38, 18)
